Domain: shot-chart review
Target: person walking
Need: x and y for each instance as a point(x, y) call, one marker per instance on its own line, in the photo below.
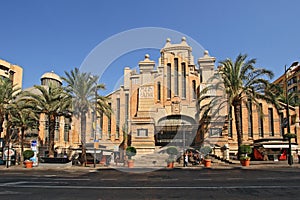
point(185, 160)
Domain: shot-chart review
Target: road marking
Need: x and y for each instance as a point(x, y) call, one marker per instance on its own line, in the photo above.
point(202, 179)
point(267, 178)
point(156, 187)
point(13, 183)
point(72, 179)
point(234, 178)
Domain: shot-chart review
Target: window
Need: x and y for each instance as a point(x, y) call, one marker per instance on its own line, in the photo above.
point(281, 124)
point(176, 89)
point(142, 132)
point(271, 121)
point(183, 80)
point(66, 129)
point(126, 109)
point(118, 119)
point(250, 120)
point(194, 89)
point(56, 134)
point(109, 125)
point(169, 81)
point(158, 91)
point(230, 122)
point(260, 121)
point(215, 132)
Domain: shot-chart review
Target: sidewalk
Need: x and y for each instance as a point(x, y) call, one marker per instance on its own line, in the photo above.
point(90, 167)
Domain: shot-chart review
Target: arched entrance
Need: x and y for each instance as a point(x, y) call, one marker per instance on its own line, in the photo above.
point(175, 130)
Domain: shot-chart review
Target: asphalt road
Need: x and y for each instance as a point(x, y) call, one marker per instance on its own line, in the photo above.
point(277, 183)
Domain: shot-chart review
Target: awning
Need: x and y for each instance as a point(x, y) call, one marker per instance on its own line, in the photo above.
point(279, 146)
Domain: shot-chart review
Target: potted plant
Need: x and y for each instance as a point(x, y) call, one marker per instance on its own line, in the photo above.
point(172, 152)
point(205, 151)
point(130, 152)
point(27, 154)
point(244, 151)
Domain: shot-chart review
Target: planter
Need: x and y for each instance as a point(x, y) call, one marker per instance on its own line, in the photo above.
point(245, 163)
point(207, 163)
point(130, 163)
point(170, 165)
point(28, 164)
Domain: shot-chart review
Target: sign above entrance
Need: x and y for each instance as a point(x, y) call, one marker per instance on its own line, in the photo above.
point(146, 92)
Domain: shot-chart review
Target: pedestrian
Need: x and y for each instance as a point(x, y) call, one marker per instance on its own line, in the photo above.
point(185, 160)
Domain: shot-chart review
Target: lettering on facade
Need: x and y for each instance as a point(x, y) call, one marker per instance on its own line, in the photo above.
point(146, 92)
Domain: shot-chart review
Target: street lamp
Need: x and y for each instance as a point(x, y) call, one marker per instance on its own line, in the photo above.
point(95, 120)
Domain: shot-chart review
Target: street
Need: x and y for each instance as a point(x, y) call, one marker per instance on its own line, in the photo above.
point(277, 183)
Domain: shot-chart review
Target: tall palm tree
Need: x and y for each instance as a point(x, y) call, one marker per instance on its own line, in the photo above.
point(83, 87)
point(8, 92)
point(242, 82)
point(23, 117)
point(53, 101)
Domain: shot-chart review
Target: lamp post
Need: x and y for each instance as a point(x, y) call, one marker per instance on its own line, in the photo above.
point(95, 123)
point(290, 158)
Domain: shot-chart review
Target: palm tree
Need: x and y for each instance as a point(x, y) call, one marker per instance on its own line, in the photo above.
point(83, 88)
point(242, 82)
point(8, 92)
point(53, 101)
point(24, 117)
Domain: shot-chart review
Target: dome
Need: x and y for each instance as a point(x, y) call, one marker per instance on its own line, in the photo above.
point(51, 75)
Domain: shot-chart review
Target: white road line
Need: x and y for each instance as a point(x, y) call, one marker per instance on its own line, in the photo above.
point(234, 178)
point(158, 187)
point(202, 179)
point(266, 178)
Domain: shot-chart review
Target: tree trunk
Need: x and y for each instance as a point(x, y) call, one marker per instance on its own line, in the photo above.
point(237, 115)
point(51, 119)
point(1, 124)
point(22, 144)
point(83, 136)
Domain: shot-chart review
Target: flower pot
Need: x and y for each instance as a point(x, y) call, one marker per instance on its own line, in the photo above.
point(207, 162)
point(130, 163)
point(28, 164)
point(245, 163)
point(170, 165)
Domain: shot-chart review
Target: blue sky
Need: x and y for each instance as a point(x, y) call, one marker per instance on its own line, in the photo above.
point(58, 35)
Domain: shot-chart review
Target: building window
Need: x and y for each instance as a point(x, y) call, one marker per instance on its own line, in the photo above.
point(194, 89)
point(230, 122)
point(250, 120)
point(126, 109)
point(169, 89)
point(118, 119)
point(109, 125)
point(215, 132)
point(271, 121)
point(56, 134)
point(158, 91)
point(260, 121)
point(281, 118)
point(176, 88)
point(66, 129)
point(183, 80)
point(142, 132)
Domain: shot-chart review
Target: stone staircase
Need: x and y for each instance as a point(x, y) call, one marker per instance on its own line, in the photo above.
point(218, 160)
point(155, 159)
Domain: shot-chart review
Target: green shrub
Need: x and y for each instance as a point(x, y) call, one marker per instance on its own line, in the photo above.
point(172, 150)
point(130, 151)
point(245, 149)
point(28, 154)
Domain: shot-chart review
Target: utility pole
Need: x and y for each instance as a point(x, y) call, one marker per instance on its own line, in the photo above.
point(290, 158)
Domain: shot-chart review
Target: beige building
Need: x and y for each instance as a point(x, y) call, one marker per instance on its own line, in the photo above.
point(157, 106)
point(11, 71)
